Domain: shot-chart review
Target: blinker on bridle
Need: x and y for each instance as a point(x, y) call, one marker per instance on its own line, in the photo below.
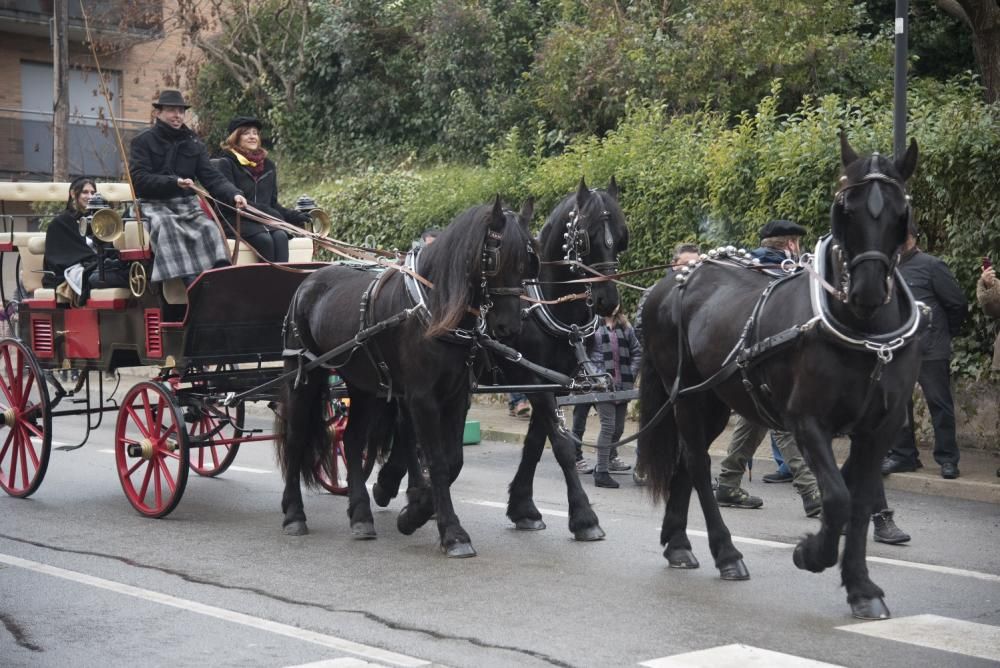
point(576, 242)
point(875, 204)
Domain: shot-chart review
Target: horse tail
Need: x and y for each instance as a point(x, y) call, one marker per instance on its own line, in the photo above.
point(658, 445)
point(301, 439)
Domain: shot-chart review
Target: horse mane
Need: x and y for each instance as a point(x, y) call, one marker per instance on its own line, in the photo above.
point(453, 263)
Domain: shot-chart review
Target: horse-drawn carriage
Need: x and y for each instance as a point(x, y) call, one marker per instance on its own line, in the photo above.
point(207, 341)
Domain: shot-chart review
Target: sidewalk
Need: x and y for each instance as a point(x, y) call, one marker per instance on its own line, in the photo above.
point(978, 481)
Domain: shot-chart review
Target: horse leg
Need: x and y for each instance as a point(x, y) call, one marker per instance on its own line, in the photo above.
point(864, 480)
point(697, 435)
point(521, 509)
point(299, 433)
point(419, 506)
point(673, 534)
point(391, 473)
point(359, 428)
point(817, 552)
point(439, 428)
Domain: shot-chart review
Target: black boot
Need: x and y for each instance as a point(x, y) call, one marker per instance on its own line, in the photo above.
point(886, 530)
point(604, 479)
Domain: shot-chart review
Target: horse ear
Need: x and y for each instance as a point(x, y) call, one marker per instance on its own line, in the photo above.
point(528, 211)
point(582, 193)
point(497, 219)
point(847, 154)
point(613, 188)
point(908, 163)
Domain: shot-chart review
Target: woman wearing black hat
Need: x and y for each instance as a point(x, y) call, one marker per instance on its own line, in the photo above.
point(246, 165)
point(164, 161)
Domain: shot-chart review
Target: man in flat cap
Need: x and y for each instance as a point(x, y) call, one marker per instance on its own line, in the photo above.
point(779, 241)
point(164, 161)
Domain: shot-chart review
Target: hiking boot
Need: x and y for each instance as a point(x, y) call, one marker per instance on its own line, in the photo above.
point(737, 498)
point(886, 530)
point(604, 479)
point(812, 504)
point(895, 465)
point(778, 476)
point(584, 466)
point(616, 465)
point(522, 409)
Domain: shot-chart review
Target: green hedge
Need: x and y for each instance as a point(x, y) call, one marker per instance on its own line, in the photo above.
point(697, 178)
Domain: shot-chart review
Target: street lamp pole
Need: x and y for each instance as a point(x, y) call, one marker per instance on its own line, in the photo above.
point(899, 90)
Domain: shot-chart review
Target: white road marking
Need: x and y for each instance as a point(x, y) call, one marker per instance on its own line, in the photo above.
point(277, 628)
point(944, 570)
point(494, 504)
point(234, 467)
point(735, 656)
point(948, 635)
point(345, 662)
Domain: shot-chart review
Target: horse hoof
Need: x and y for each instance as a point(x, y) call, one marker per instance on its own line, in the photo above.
point(528, 524)
point(681, 558)
point(403, 523)
point(734, 571)
point(870, 608)
point(460, 551)
point(589, 534)
point(363, 530)
point(381, 496)
point(295, 529)
point(798, 559)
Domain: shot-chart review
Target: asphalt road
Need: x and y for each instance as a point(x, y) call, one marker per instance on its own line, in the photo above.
point(86, 581)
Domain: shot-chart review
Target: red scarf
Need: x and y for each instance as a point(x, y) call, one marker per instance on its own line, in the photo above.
point(255, 161)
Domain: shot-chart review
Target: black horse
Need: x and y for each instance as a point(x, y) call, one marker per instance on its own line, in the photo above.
point(581, 238)
point(789, 355)
point(476, 267)
point(586, 228)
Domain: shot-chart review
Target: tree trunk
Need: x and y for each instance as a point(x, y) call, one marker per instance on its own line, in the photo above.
point(60, 90)
point(986, 44)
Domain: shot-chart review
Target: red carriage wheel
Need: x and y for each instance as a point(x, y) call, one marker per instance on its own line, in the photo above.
point(217, 454)
point(151, 449)
point(335, 419)
point(25, 421)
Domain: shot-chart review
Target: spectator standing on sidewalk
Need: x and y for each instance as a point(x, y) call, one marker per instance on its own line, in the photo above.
point(931, 282)
point(779, 241)
point(615, 350)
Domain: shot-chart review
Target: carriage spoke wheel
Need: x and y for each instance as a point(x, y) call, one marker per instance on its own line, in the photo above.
point(25, 421)
point(137, 279)
point(336, 423)
point(213, 458)
point(151, 449)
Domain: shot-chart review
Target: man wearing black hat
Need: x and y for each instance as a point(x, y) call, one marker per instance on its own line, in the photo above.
point(245, 164)
point(779, 241)
point(164, 162)
point(931, 282)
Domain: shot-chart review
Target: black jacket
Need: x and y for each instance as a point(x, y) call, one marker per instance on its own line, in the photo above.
point(160, 155)
point(64, 247)
point(932, 282)
point(261, 193)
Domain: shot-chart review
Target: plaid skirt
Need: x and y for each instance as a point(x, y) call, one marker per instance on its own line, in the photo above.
point(184, 240)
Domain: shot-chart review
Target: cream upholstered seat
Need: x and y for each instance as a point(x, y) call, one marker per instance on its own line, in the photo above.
point(300, 249)
point(32, 260)
point(133, 237)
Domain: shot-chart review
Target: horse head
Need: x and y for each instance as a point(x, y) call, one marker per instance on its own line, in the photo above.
point(586, 232)
point(869, 220)
point(479, 263)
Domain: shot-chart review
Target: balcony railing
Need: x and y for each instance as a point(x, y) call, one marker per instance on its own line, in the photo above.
point(142, 19)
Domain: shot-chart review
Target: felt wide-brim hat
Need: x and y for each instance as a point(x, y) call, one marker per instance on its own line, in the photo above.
point(170, 97)
point(781, 228)
point(243, 121)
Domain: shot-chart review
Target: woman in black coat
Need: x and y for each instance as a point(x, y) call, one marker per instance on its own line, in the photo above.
point(246, 165)
point(65, 247)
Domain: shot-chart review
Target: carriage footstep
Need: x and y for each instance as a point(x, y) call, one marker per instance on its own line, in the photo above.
point(589, 534)
point(363, 530)
point(870, 608)
point(681, 558)
point(295, 529)
point(528, 524)
point(459, 551)
point(734, 571)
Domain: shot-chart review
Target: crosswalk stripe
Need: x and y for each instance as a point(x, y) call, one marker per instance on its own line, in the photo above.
point(736, 656)
point(936, 632)
point(343, 662)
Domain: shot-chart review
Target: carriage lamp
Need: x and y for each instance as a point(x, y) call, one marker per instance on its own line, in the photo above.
point(320, 218)
point(305, 204)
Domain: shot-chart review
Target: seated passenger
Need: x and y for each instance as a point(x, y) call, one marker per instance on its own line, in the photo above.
point(68, 253)
point(164, 161)
point(245, 164)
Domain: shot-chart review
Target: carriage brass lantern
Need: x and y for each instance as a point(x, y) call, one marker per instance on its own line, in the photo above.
point(105, 222)
point(320, 218)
